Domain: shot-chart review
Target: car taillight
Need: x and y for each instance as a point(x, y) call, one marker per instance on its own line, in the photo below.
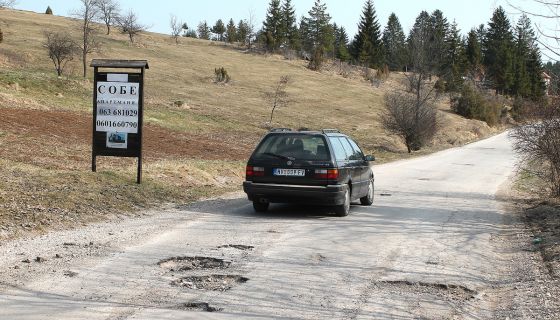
point(254, 171)
point(328, 174)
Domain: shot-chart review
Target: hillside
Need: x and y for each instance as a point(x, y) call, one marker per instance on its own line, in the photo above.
point(198, 134)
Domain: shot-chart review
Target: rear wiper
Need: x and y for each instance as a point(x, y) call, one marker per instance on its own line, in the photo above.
point(279, 156)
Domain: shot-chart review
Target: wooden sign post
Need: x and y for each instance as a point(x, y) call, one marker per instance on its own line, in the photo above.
point(118, 110)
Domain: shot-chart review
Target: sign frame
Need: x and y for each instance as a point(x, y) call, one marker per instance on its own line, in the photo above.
point(118, 144)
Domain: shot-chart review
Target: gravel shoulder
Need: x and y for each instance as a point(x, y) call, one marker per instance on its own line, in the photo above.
point(534, 286)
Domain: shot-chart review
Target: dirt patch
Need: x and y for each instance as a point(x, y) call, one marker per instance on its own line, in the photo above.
point(237, 246)
point(41, 130)
point(193, 263)
point(544, 221)
point(455, 292)
point(211, 282)
point(197, 306)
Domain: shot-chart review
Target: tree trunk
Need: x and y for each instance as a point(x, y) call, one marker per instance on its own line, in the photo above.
point(272, 114)
point(84, 61)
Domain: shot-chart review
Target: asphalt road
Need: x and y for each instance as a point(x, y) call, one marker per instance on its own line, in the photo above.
point(427, 249)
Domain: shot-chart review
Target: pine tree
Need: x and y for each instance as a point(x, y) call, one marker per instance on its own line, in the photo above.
point(320, 35)
point(289, 26)
point(454, 62)
point(203, 30)
point(367, 47)
point(535, 70)
point(242, 31)
point(439, 30)
point(528, 82)
point(473, 51)
point(498, 52)
point(272, 26)
point(341, 44)
point(419, 45)
point(49, 10)
point(219, 29)
point(231, 32)
point(524, 43)
point(394, 44)
point(306, 44)
point(481, 34)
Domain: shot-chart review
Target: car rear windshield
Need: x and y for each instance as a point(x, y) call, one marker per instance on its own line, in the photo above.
point(293, 146)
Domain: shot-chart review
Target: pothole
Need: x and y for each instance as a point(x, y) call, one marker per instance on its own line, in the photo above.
point(198, 306)
point(211, 282)
point(457, 291)
point(193, 263)
point(237, 246)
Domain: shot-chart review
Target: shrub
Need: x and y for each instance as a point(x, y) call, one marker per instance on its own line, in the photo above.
point(1, 36)
point(414, 120)
point(525, 108)
point(473, 104)
point(222, 75)
point(49, 10)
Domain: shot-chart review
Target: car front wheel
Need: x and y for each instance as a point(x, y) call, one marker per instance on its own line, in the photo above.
point(368, 199)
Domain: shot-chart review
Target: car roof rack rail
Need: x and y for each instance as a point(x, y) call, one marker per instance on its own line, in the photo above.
point(330, 131)
point(281, 130)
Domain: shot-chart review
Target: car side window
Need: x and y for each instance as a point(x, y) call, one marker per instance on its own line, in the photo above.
point(358, 154)
point(339, 152)
point(348, 148)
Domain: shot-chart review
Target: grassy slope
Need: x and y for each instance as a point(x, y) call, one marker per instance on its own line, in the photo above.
point(184, 72)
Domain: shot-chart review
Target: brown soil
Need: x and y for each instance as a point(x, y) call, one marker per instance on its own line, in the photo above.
point(27, 131)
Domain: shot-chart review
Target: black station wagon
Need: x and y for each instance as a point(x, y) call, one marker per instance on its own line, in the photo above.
point(309, 167)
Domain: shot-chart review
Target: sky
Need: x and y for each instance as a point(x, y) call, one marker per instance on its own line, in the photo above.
point(467, 14)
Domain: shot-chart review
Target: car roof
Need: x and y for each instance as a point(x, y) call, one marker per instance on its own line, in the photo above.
point(326, 132)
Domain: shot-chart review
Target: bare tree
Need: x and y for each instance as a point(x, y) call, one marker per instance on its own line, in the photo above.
point(130, 25)
point(7, 3)
point(61, 49)
point(279, 98)
point(176, 28)
point(251, 29)
point(538, 142)
point(89, 44)
point(414, 121)
point(108, 12)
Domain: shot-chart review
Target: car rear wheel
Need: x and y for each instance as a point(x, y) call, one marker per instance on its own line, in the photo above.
point(260, 206)
point(343, 209)
point(368, 199)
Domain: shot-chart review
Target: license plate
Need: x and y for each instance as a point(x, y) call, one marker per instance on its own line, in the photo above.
point(289, 172)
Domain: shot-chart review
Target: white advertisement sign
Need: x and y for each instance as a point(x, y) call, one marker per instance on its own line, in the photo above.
point(117, 107)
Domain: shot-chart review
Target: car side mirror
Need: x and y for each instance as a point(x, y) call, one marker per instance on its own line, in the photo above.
point(369, 158)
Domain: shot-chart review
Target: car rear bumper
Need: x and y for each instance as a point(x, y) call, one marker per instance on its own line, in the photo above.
point(283, 193)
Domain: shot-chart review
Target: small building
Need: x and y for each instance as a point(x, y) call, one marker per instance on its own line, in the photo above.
point(547, 82)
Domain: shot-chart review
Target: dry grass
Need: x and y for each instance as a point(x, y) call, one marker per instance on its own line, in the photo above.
point(41, 171)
